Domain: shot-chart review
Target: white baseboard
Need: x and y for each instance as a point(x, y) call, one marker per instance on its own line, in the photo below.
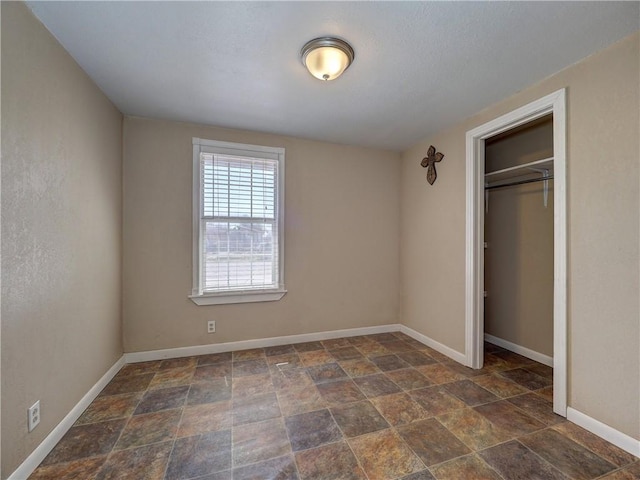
point(429, 342)
point(149, 355)
point(27, 467)
point(38, 455)
point(524, 351)
point(610, 434)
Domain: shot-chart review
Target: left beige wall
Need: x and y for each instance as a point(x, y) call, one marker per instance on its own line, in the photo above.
point(61, 232)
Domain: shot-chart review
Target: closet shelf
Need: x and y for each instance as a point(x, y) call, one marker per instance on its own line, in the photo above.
point(536, 171)
point(526, 169)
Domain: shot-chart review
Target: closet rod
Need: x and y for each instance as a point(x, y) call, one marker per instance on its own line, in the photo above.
point(520, 182)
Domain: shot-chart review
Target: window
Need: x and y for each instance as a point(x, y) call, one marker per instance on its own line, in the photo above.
point(238, 218)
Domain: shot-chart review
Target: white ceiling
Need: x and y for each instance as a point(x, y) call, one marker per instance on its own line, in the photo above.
point(419, 66)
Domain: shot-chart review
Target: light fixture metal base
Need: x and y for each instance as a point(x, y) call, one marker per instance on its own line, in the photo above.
point(324, 43)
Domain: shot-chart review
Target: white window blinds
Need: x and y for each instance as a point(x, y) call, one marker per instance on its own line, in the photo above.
point(238, 223)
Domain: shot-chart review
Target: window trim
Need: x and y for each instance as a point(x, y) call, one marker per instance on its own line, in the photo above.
point(235, 296)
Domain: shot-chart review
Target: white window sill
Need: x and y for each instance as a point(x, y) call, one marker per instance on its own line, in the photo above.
point(238, 297)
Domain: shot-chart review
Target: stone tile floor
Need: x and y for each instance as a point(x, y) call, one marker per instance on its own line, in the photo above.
point(371, 407)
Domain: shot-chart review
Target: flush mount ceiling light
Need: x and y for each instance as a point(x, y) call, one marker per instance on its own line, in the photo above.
point(327, 57)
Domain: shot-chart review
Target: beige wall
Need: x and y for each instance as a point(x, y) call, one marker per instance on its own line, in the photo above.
point(61, 232)
point(603, 204)
point(341, 240)
point(518, 263)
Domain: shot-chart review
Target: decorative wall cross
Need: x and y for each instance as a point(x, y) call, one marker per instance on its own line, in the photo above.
point(429, 162)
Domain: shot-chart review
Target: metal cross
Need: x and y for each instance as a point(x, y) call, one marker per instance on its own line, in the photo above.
point(430, 163)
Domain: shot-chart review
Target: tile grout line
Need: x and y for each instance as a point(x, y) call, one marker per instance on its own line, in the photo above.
point(175, 438)
point(286, 431)
point(344, 436)
point(472, 454)
point(618, 469)
point(637, 460)
point(392, 428)
point(544, 460)
point(111, 451)
point(346, 441)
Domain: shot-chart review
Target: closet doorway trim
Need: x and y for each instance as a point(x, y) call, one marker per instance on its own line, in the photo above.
point(554, 103)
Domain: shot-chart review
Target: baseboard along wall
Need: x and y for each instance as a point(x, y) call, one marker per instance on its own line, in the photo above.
point(520, 350)
point(27, 467)
point(135, 357)
point(610, 434)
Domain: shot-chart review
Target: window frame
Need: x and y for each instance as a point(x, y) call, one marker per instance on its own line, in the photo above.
point(241, 150)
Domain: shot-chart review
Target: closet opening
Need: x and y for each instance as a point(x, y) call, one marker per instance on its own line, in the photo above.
point(518, 251)
point(516, 246)
point(518, 240)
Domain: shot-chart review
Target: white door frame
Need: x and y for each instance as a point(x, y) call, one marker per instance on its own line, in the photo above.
point(553, 103)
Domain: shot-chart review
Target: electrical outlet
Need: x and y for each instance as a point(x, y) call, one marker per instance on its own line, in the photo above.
point(33, 418)
point(211, 326)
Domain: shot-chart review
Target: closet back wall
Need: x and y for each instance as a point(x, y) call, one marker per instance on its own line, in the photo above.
point(341, 240)
point(519, 257)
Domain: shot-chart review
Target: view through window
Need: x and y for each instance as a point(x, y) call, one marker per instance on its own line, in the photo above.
point(238, 223)
point(240, 229)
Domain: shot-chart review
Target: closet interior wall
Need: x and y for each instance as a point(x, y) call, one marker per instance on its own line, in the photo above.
point(519, 236)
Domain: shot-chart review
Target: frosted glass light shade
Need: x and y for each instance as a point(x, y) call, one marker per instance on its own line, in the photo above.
point(326, 58)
